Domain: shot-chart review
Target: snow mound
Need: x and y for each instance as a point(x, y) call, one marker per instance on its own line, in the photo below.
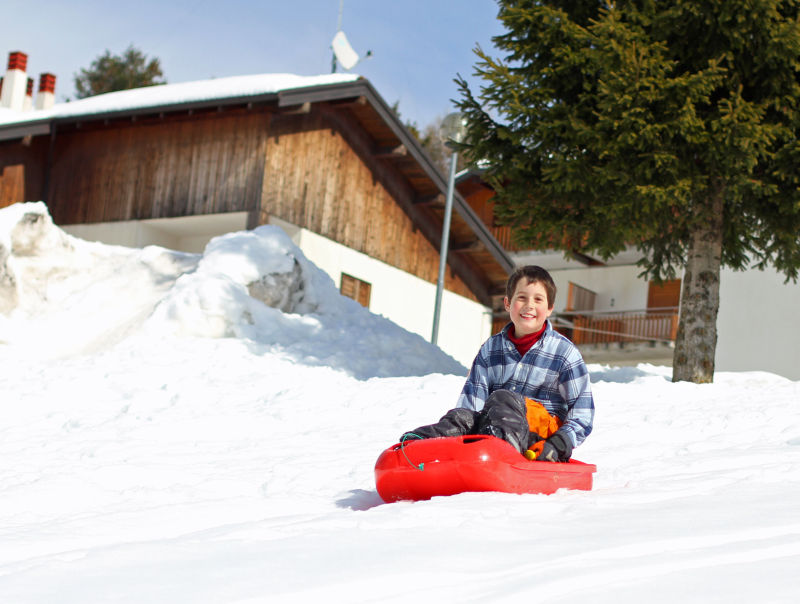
point(60, 295)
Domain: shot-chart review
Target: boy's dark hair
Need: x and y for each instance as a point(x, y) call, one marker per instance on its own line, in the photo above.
point(533, 274)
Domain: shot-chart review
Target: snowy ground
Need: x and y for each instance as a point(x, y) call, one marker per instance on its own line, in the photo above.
point(167, 437)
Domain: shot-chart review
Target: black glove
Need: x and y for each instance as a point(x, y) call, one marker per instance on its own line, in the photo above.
point(455, 422)
point(556, 448)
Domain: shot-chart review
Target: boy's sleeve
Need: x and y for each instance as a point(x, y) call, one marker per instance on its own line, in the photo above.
point(575, 388)
point(476, 388)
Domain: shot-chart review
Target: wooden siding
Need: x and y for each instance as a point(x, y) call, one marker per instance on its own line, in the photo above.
point(315, 178)
point(162, 168)
point(479, 196)
point(21, 170)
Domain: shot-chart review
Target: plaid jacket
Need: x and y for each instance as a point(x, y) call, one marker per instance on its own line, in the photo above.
point(551, 372)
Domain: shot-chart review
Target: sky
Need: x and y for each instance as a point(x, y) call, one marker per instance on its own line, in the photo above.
point(418, 46)
point(167, 437)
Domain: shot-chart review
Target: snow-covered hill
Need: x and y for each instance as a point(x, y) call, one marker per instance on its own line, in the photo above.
point(203, 428)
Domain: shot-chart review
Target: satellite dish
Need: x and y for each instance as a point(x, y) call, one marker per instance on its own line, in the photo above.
point(344, 53)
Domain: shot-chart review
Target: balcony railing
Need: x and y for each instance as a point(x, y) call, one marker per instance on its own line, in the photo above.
point(602, 327)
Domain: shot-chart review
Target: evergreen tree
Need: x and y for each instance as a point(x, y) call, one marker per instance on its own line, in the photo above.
point(669, 126)
point(110, 72)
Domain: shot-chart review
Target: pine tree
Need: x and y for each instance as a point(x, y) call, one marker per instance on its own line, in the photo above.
point(668, 126)
point(110, 72)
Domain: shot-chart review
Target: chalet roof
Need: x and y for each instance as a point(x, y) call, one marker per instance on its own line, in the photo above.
point(475, 255)
point(150, 97)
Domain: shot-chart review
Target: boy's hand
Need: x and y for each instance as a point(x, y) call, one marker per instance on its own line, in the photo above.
point(555, 448)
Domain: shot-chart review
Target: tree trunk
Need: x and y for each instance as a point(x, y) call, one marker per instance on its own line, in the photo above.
point(696, 342)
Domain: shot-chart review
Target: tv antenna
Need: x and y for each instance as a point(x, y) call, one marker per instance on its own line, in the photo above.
point(343, 53)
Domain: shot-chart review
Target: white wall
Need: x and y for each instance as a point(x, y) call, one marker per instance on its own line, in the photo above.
point(185, 234)
point(405, 299)
point(617, 287)
point(758, 327)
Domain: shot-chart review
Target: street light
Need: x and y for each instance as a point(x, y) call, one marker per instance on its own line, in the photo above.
point(452, 131)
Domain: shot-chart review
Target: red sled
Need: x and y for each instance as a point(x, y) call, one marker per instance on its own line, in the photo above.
point(421, 469)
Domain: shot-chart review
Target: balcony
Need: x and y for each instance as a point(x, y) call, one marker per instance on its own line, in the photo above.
point(585, 327)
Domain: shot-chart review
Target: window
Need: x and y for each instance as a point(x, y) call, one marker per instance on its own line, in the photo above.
point(356, 289)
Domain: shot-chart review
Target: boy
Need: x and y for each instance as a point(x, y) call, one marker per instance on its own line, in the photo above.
point(528, 384)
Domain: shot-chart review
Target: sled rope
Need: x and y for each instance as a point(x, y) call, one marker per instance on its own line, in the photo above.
point(403, 440)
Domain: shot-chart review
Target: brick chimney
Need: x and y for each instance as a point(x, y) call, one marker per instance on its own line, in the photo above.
point(46, 97)
point(15, 82)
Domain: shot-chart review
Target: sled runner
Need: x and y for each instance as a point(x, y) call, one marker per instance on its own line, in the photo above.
point(421, 469)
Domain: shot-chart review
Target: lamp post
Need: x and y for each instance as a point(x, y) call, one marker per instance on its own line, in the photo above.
point(452, 131)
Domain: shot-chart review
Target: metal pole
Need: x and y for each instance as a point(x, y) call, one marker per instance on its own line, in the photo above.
point(338, 29)
point(448, 211)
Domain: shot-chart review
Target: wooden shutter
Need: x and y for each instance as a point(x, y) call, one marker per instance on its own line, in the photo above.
point(356, 289)
point(12, 185)
point(580, 298)
point(666, 295)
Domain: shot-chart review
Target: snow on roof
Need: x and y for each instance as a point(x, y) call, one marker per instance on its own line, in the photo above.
point(173, 94)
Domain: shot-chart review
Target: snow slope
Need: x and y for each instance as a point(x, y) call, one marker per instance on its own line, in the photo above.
point(166, 436)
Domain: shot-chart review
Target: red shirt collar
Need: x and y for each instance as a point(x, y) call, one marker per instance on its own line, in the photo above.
point(525, 343)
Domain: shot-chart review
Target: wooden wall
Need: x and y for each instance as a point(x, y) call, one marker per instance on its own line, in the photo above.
point(316, 179)
point(480, 200)
point(194, 165)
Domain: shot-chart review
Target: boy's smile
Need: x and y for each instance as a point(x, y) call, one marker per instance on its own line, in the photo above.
point(529, 307)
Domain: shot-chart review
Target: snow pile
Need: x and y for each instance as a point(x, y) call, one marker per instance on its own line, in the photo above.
point(164, 465)
point(66, 295)
point(61, 295)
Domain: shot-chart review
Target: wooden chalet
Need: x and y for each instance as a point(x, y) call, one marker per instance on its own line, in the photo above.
point(330, 157)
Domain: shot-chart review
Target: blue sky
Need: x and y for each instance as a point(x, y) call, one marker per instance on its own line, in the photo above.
point(418, 46)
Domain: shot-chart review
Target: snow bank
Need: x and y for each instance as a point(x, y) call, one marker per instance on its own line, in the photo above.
point(60, 295)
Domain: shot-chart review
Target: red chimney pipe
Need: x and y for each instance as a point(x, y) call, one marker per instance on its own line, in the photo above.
point(17, 60)
point(47, 82)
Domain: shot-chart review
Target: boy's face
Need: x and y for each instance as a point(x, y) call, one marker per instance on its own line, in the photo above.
point(528, 307)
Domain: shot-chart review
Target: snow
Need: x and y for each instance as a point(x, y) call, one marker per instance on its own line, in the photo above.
point(169, 94)
point(166, 436)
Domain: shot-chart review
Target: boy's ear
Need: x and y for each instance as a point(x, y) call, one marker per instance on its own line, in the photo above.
point(506, 305)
